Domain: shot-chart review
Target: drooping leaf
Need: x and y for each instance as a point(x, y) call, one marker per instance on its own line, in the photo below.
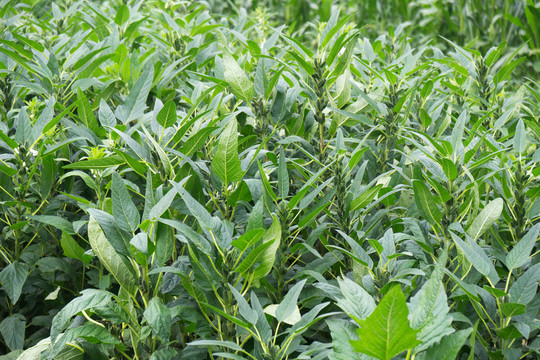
point(89, 298)
point(12, 329)
point(12, 278)
point(116, 264)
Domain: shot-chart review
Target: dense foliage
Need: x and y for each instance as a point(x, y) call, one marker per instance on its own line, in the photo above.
point(267, 180)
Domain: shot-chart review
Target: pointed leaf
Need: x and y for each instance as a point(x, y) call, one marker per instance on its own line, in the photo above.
point(12, 279)
point(520, 253)
point(125, 212)
point(226, 164)
point(237, 79)
point(167, 115)
point(386, 332)
point(486, 218)
point(116, 264)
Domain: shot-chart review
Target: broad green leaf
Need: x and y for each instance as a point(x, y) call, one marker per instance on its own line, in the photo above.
point(525, 287)
point(225, 162)
point(125, 212)
point(135, 104)
point(162, 205)
point(355, 301)
point(288, 304)
point(116, 264)
point(197, 140)
point(56, 221)
point(237, 79)
point(342, 331)
point(106, 116)
point(485, 218)
point(448, 347)
point(449, 169)
point(477, 257)
point(292, 319)
point(245, 310)
point(521, 252)
point(426, 204)
point(122, 15)
point(386, 332)
point(12, 329)
point(167, 115)
point(86, 114)
point(365, 197)
point(268, 257)
point(24, 133)
point(512, 309)
point(71, 248)
point(89, 298)
point(91, 332)
point(12, 278)
point(158, 317)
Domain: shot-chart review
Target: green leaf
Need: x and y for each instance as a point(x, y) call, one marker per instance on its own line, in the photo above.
point(448, 347)
point(449, 169)
point(106, 116)
point(477, 257)
point(125, 212)
point(365, 198)
point(71, 248)
point(12, 329)
point(342, 331)
point(167, 115)
point(13, 278)
point(288, 304)
point(283, 176)
point(135, 104)
point(101, 163)
point(486, 218)
point(162, 205)
point(86, 115)
point(386, 332)
point(158, 317)
point(122, 15)
point(217, 343)
point(56, 221)
point(116, 264)
point(89, 298)
point(268, 257)
point(245, 310)
point(237, 79)
point(524, 289)
point(426, 203)
point(197, 140)
point(24, 133)
point(512, 309)
point(520, 137)
point(520, 253)
point(225, 163)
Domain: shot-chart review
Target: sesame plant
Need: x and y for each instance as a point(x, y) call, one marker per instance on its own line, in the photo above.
point(269, 180)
